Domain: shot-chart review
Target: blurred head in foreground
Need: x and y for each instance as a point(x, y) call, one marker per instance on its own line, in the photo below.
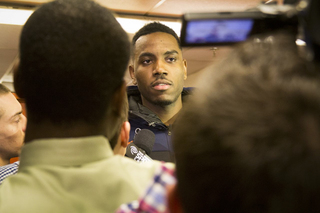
point(256, 145)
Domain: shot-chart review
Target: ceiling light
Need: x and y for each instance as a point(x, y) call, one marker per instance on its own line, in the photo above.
point(14, 16)
point(267, 2)
point(133, 25)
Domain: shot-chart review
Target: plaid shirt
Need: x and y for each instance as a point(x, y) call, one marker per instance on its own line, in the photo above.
point(154, 200)
point(8, 170)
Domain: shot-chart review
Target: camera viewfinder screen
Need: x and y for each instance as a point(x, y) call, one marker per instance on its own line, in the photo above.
point(218, 31)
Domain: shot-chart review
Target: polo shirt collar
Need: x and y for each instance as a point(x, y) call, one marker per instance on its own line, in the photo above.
point(65, 151)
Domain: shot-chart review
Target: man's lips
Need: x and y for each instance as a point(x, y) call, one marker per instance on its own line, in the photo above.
point(161, 85)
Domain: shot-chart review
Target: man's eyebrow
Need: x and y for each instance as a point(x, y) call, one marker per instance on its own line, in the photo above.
point(171, 52)
point(146, 54)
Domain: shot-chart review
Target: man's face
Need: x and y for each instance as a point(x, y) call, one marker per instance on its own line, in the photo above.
point(12, 126)
point(158, 69)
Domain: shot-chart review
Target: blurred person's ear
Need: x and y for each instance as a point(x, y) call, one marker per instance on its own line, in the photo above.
point(122, 143)
point(185, 75)
point(124, 136)
point(125, 133)
point(174, 204)
point(132, 75)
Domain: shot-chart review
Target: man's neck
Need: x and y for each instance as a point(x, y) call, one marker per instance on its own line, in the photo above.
point(47, 130)
point(4, 162)
point(168, 113)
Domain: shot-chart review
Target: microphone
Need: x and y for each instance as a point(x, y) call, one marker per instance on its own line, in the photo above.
point(141, 146)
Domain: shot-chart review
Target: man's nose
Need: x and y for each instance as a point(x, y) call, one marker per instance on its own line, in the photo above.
point(159, 68)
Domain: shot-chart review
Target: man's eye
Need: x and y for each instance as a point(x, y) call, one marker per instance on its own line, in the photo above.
point(171, 59)
point(146, 61)
point(18, 119)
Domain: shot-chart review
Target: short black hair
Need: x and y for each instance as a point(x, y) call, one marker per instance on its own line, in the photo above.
point(154, 27)
point(73, 55)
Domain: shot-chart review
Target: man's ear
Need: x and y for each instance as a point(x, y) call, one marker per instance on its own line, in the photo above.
point(125, 133)
point(131, 71)
point(174, 204)
point(185, 69)
point(18, 81)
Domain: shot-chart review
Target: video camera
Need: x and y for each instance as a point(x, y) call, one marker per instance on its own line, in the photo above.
point(225, 28)
point(301, 19)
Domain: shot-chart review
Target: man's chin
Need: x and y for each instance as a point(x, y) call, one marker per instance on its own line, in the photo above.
point(163, 103)
point(162, 100)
